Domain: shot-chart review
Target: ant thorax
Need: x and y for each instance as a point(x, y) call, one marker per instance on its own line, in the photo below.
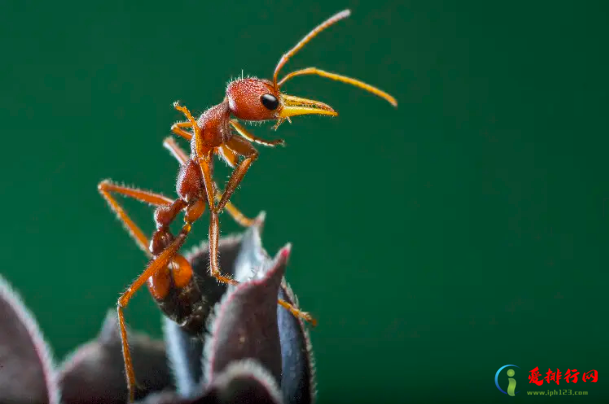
point(214, 128)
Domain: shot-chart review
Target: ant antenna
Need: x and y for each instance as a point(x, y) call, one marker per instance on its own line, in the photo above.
point(286, 56)
point(344, 79)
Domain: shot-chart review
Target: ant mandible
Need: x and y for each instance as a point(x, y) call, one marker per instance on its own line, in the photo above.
point(169, 275)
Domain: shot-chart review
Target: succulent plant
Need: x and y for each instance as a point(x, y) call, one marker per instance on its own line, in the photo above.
point(253, 350)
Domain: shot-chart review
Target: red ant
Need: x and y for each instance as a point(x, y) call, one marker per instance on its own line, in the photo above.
point(169, 275)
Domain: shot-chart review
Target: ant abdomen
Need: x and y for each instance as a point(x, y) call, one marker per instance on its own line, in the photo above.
point(191, 320)
point(178, 295)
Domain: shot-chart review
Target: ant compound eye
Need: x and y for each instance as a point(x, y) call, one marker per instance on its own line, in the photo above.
point(270, 101)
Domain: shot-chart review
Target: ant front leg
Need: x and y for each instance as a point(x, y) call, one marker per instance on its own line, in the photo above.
point(254, 139)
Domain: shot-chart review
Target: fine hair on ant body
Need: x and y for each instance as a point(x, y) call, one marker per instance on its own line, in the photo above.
point(169, 275)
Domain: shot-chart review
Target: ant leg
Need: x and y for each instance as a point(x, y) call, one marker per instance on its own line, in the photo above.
point(245, 149)
point(157, 264)
point(176, 151)
point(106, 188)
point(297, 313)
point(228, 156)
point(181, 156)
point(233, 160)
point(243, 132)
point(178, 129)
point(188, 115)
point(214, 236)
point(236, 214)
point(206, 163)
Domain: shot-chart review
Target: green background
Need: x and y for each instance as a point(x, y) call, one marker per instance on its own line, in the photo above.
point(435, 243)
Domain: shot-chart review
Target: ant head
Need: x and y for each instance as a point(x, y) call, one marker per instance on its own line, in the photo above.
point(255, 99)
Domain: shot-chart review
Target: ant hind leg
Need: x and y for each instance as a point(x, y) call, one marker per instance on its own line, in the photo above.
point(156, 265)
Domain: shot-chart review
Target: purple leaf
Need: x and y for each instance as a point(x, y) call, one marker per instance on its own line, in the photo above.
point(26, 369)
point(95, 372)
point(251, 257)
point(243, 381)
point(245, 325)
